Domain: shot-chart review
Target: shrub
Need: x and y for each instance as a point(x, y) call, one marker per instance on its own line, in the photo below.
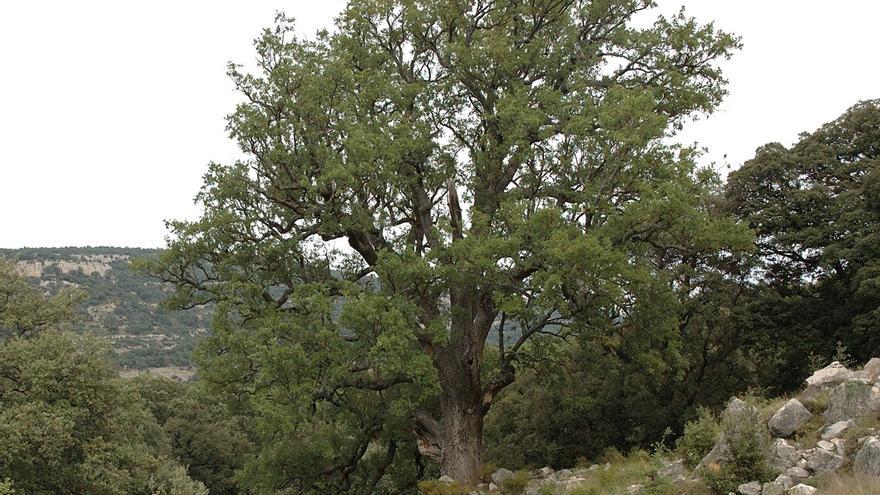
point(748, 443)
point(486, 471)
point(516, 484)
point(698, 438)
point(611, 455)
point(6, 487)
point(436, 487)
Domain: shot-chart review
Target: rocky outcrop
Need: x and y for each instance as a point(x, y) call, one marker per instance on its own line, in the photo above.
point(852, 399)
point(837, 430)
point(802, 489)
point(752, 488)
point(851, 396)
point(34, 268)
point(788, 419)
point(868, 458)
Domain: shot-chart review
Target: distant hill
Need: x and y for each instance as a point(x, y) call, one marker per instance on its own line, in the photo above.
point(122, 305)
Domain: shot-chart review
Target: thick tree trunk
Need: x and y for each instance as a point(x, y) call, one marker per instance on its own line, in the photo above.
point(461, 442)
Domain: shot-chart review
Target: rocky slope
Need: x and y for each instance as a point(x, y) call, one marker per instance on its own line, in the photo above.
point(830, 431)
point(121, 305)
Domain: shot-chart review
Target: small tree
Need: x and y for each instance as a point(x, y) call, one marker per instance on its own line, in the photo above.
point(435, 171)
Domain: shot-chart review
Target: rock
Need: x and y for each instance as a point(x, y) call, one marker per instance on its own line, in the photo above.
point(493, 487)
point(839, 446)
point(773, 488)
point(798, 473)
point(736, 406)
point(502, 474)
point(718, 453)
point(871, 371)
point(829, 376)
point(788, 419)
point(545, 472)
point(821, 461)
point(634, 489)
point(563, 474)
point(826, 379)
point(826, 445)
point(783, 455)
point(674, 471)
point(785, 481)
point(751, 488)
point(837, 429)
point(868, 458)
point(802, 489)
point(446, 479)
point(852, 399)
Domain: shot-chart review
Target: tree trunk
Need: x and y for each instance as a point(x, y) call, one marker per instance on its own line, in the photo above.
point(461, 442)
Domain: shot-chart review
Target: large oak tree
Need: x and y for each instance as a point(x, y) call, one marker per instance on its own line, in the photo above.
point(431, 172)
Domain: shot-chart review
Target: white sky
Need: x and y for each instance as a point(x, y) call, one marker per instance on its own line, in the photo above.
point(110, 110)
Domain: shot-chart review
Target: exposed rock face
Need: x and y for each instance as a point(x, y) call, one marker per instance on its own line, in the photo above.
point(868, 458)
point(788, 419)
point(821, 460)
point(837, 429)
point(871, 371)
point(502, 474)
point(829, 376)
point(852, 399)
point(783, 455)
point(752, 488)
point(773, 488)
point(34, 268)
point(802, 489)
point(674, 471)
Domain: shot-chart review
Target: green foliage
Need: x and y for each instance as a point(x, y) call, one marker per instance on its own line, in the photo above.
point(435, 487)
point(748, 444)
point(482, 164)
point(24, 310)
point(698, 438)
point(172, 479)
point(634, 471)
point(6, 487)
point(123, 303)
point(516, 484)
point(814, 208)
point(68, 423)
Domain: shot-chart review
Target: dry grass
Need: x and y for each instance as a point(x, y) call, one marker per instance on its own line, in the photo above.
point(849, 484)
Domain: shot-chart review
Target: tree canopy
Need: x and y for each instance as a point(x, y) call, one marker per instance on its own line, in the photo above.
point(815, 208)
point(68, 423)
point(431, 172)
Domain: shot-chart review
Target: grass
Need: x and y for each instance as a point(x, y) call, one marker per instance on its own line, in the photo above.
point(849, 484)
point(634, 470)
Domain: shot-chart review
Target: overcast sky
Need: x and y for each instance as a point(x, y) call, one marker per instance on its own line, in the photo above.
point(110, 110)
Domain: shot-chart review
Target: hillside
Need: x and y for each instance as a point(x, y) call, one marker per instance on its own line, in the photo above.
point(121, 305)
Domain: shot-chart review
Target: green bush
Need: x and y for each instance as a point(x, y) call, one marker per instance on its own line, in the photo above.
point(698, 438)
point(436, 487)
point(516, 484)
point(6, 487)
point(748, 443)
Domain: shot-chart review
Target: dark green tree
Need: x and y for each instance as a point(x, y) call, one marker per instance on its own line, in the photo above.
point(68, 423)
point(815, 208)
point(434, 170)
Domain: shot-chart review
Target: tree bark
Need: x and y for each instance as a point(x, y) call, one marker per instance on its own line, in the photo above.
point(461, 442)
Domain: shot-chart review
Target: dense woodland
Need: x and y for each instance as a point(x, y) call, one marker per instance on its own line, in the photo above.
point(461, 238)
